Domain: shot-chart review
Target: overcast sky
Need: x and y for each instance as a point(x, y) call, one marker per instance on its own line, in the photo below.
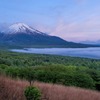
point(73, 20)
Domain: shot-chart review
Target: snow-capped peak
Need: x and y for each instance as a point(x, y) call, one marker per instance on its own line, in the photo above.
point(21, 28)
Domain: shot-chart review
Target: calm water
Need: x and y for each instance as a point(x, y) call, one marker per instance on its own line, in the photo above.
point(75, 52)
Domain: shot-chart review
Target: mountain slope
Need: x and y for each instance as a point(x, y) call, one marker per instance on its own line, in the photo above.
point(22, 35)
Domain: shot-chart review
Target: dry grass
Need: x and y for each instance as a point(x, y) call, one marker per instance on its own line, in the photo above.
point(14, 90)
point(11, 89)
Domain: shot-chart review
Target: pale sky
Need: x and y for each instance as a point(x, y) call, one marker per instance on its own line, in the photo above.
point(72, 20)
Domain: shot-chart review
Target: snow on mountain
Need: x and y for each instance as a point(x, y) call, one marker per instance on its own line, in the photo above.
point(22, 28)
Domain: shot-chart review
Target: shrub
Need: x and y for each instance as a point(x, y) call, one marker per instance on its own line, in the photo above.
point(32, 93)
point(84, 80)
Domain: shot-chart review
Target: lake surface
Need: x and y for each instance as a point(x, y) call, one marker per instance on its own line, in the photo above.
point(74, 52)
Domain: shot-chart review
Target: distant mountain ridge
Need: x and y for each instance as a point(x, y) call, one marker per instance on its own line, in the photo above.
point(22, 35)
point(91, 42)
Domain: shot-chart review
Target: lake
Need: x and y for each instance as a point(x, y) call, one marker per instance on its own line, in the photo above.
point(74, 52)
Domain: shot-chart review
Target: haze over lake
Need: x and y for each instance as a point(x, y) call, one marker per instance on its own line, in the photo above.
point(74, 52)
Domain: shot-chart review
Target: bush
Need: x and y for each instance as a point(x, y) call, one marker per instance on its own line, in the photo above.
point(84, 81)
point(32, 93)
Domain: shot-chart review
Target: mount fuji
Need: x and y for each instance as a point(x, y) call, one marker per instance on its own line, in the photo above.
point(19, 28)
point(22, 35)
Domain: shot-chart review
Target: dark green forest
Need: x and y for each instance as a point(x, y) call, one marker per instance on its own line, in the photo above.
point(69, 71)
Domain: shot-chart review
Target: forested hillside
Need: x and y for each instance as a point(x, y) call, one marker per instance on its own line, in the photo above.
point(69, 71)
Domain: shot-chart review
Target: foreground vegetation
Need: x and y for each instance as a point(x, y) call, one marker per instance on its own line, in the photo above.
point(67, 71)
point(14, 90)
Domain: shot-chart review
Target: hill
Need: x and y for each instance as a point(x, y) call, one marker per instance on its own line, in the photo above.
point(67, 71)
